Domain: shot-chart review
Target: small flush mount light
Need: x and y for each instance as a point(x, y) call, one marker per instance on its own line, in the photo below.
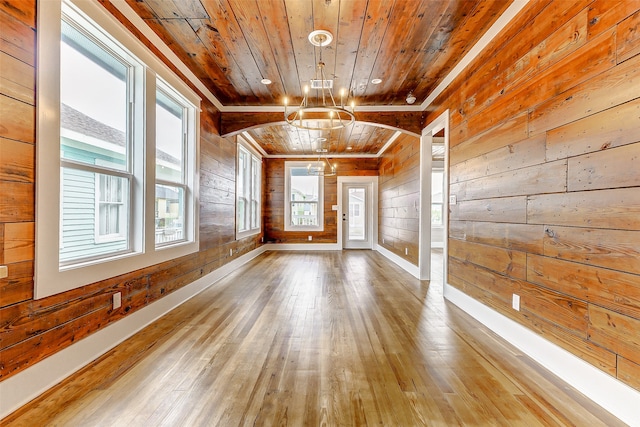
point(349, 148)
point(376, 81)
point(265, 81)
point(411, 98)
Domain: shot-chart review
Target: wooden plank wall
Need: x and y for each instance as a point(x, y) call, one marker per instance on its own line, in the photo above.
point(399, 196)
point(32, 330)
point(273, 207)
point(545, 164)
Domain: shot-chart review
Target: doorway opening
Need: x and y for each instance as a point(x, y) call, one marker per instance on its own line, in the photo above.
point(358, 213)
point(434, 154)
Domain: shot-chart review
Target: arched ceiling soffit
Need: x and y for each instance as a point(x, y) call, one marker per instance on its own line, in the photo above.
point(357, 139)
point(232, 123)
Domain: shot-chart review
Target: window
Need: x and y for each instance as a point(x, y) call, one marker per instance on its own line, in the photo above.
point(247, 191)
point(108, 110)
point(171, 184)
point(112, 202)
point(437, 191)
point(95, 148)
point(304, 198)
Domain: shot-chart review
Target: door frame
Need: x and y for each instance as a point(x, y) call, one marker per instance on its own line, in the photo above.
point(424, 263)
point(373, 212)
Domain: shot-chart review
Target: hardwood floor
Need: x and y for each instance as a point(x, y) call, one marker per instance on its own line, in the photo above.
point(314, 338)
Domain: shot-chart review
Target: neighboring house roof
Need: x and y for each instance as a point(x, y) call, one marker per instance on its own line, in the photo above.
point(312, 198)
point(76, 121)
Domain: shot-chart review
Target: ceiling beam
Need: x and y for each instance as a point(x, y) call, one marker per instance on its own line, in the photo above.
point(232, 123)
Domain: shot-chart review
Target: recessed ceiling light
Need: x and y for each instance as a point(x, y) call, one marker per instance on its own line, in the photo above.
point(265, 81)
point(376, 81)
point(349, 148)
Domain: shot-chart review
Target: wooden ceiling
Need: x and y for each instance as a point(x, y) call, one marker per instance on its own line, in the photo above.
point(231, 45)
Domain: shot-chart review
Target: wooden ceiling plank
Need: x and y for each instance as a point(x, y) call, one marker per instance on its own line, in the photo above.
point(247, 14)
point(348, 33)
point(377, 139)
point(227, 37)
point(163, 9)
point(225, 60)
point(325, 17)
point(179, 36)
point(191, 9)
point(300, 20)
point(373, 30)
point(142, 8)
point(457, 43)
point(397, 47)
point(429, 15)
point(275, 23)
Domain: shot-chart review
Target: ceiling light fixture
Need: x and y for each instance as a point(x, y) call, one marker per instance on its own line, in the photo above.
point(322, 166)
point(320, 112)
point(376, 81)
point(411, 98)
point(265, 81)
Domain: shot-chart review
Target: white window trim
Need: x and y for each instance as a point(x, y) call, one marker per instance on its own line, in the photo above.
point(49, 278)
point(439, 226)
point(186, 166)
point(287, 200)
point(102, 238)
point(252, 153)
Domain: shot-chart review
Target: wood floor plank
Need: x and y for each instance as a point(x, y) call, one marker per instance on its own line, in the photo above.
point(314, 338)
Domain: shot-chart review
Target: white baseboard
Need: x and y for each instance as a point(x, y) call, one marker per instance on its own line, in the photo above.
point(403, 263)
point(302, 247)
point(35, 380)
point(613, 395)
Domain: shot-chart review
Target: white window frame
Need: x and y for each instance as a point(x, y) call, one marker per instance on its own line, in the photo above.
point(287, 200)
point(50, 277)
point(104, 237)
point(186, 149)
point(255, 194)
point(441, 204)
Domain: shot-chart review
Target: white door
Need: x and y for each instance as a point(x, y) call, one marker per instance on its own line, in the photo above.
point(356, 216)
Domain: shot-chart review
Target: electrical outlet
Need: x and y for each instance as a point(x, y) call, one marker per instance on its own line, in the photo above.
point(230, 252)
point(453, 200)
point(383, 241)
point(310, 238)
point(406, 251)
point(4, 271)
point(515, 302)
point(117, 300)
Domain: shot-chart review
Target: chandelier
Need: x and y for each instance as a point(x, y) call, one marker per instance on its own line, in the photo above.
point(322, 166)
point(320, 112)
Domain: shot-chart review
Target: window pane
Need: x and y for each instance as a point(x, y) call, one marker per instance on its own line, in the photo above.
point(304, 213)
point(169, 213)
point(254, 214)
point(303, 187)
point(92, 132)
point(255, 193)
point(242, 214)
point(437, 187)
point(357, 224)
point(94, 211)
point(169, 138)
point(436, 214)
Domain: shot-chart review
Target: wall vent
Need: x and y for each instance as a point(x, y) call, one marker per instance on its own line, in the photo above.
point(321, 84)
